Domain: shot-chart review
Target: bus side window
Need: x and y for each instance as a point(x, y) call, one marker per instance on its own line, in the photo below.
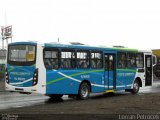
point(131, 60)
point(47, 64)
point(54, 63)
point(96, 59)
point(51, 59)
point(67, 59)
point(84, 64)
point(83, 59)
point(139, 60)
point(93, 64)
point(121, 60)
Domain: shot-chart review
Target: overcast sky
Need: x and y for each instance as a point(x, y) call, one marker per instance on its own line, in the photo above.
point(131, 23)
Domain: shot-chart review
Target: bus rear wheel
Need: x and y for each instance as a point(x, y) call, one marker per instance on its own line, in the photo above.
point(84, 91)
point(136, 87)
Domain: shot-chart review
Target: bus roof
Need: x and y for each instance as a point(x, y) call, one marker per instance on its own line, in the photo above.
point(23, 43)
point(59, 45)
point(89, 47)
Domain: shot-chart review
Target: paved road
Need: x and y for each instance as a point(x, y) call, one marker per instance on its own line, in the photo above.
point(16, 100)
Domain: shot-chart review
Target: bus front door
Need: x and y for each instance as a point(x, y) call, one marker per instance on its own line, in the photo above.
point(148, 70)
point(110, 72)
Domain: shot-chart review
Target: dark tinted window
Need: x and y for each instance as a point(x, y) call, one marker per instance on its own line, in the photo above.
point(121, 60)
point(51, 59)
point(96, 60)
point(131, 60)
point(140, 60)
point(82, 59)
point(67, 59)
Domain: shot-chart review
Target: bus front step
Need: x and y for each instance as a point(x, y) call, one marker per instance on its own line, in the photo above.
point(110, 91)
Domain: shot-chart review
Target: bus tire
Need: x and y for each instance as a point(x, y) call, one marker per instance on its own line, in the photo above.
point(84, 91)
point(136, 87)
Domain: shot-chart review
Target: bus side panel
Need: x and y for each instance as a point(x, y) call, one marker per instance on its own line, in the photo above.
point(98, 81)
point(120, 80)
point(125, 78)
point(130, 77)
point(59, 83)
point(68, 81)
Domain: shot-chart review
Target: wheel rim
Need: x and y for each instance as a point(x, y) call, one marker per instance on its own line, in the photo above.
point(84, 91)
point(136, 86)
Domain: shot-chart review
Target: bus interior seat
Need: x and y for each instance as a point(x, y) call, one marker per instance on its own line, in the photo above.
point(48, 63)
point(93, 65)
point(84, 64)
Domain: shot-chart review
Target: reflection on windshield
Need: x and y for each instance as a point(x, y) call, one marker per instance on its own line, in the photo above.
point(22, 53)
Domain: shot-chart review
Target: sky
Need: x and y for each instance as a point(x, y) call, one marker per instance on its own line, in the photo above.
point(129, 23)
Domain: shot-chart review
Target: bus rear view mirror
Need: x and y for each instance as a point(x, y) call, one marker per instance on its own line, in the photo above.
point(154, 59)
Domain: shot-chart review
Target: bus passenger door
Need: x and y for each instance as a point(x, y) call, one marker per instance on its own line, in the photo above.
point(110, 71)
point(148, 70)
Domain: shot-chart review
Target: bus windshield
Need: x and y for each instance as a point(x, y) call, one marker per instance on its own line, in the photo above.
point(21, 54)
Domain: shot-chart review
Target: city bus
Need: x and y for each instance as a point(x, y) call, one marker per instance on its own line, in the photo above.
point(55, 69)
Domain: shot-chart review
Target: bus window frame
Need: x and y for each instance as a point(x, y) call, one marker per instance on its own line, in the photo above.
point(67, 50)
point(142, 57)
point(135, 65)
point(89, 53)
point(51, 49)
point(119, 53)
point(102, 59)
point(21, 63)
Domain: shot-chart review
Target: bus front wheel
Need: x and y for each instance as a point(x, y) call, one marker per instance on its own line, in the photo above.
point(84, 91)
point(136, 87)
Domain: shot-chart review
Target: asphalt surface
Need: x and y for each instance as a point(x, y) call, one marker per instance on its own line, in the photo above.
point(16, 100)
point(98, 104)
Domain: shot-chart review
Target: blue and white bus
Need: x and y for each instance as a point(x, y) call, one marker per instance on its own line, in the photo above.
point(76, 70)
